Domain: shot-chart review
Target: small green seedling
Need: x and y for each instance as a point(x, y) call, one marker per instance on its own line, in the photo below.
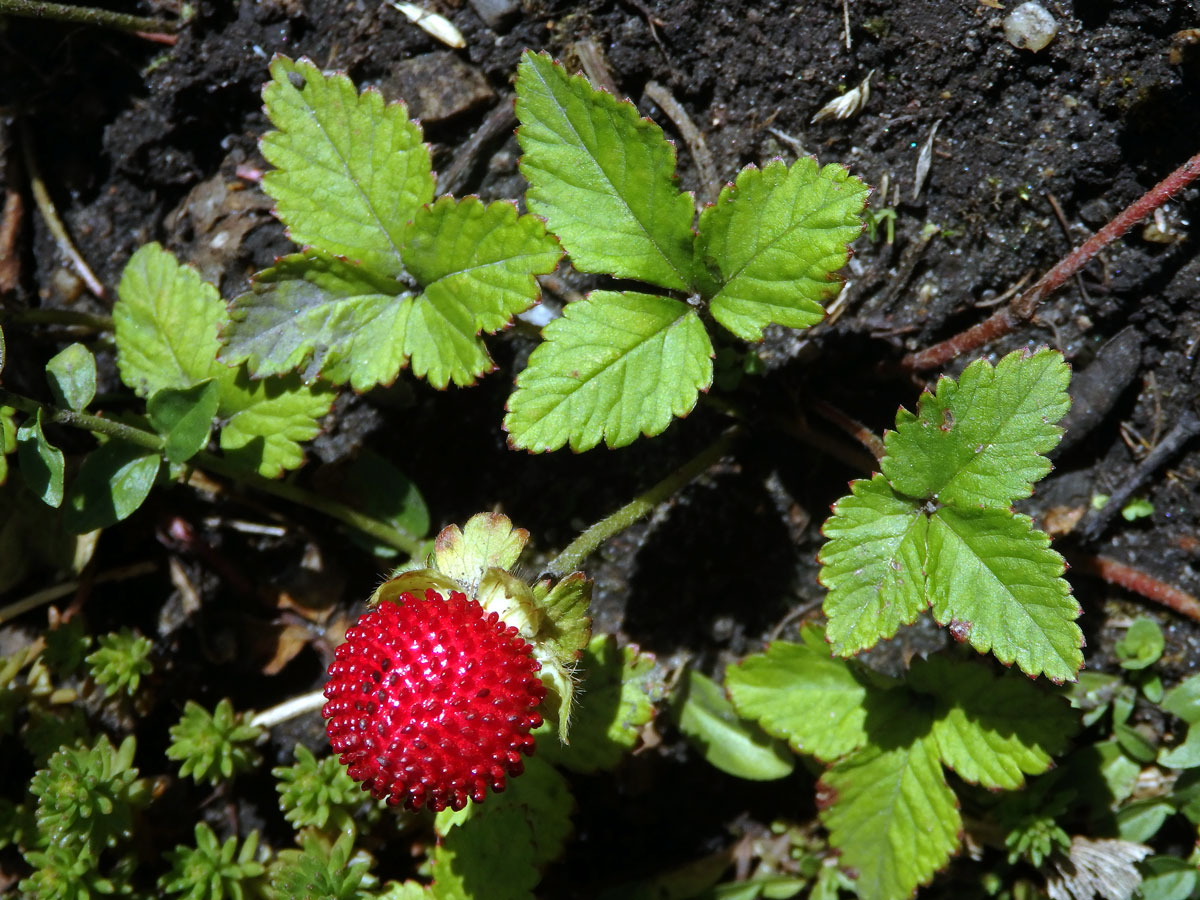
point(620, 364)
point(936, 529)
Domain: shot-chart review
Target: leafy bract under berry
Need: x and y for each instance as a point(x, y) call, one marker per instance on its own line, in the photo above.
point(431, 702)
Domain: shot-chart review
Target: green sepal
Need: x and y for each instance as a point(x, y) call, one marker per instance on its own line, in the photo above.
point(488, 540)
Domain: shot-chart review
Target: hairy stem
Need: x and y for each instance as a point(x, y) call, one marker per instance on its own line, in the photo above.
point(1024, 305)
point(44, 316)
point(86, 15)
point(582, 547)
point(380, 531)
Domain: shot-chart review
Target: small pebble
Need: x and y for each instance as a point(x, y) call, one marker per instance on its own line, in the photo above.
point(1030, 27)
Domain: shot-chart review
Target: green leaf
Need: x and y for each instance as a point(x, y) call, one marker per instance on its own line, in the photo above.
point(1142, 645)
point(490, 856)
point(1168, 878)
point(773, 240)
point(993, 578)
point(480, 257)
point(112, 483)
point(603, 177)
point(1183, 700)
point(614, 366)
point(8, 439)
point(873, 565)
point(166, 324)
point(979, 442)
point(800, 694)
point(1141, 820)
point(41, 463)
point(992, 730)
point(72, 377)
point(892, 816)
point(184, 417)
point(616, 704)
point(333, 318)
point(351, 171)
point(730, 744)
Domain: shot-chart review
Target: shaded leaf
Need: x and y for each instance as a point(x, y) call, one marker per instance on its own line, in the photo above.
point(729, 743)
point(603, 177)
point(490, 856)
point(350, 170)
point(184, 417)
point(112, 483)
point(42, 464)
point(773, 240)
point(613, 367)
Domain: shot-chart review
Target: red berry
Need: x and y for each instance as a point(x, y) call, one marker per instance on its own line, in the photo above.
point(431, 701)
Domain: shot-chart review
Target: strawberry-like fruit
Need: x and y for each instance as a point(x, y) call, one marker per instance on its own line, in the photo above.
point(431, 701)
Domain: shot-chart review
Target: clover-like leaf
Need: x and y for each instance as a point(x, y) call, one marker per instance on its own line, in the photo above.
point(892, 816)
point(603, 177)
point(166, 323)
point(935, 528)
point(774, 238)
point(981, 440)
point(613, 367)
point(350, 170)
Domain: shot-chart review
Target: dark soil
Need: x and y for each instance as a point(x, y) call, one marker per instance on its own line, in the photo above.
point(138, 141)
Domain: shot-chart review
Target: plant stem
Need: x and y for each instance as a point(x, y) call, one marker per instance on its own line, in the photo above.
point(86, 15)
point(1023, 307)
point(583, 546)
point(380, 531)
point(50, 594)
point(1138, 582)
point(84, 421)
point(44, 316)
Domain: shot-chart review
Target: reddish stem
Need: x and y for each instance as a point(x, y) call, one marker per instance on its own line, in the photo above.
point(1138, 582)
point(1022, 308)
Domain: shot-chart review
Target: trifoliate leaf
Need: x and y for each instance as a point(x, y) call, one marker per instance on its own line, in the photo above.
point(773, 240)
point(980, 441)
point(351, 171)
point(42, 464)
point(323, 314)
point(613, 367)
point(72, 377)
point(891, 816)
point(992, 730)
point(800, 694)
point(615, 705)
point(603, 177)
point(491, 857)
point(993, 578)
point(873, 564)
point(184, 417)
point(166, 324)
point(479, 257)
point(730, 744)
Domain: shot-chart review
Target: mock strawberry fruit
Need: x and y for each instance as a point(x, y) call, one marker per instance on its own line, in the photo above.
point(431, 701)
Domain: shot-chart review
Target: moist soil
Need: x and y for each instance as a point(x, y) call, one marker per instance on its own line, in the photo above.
point(139, 141)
